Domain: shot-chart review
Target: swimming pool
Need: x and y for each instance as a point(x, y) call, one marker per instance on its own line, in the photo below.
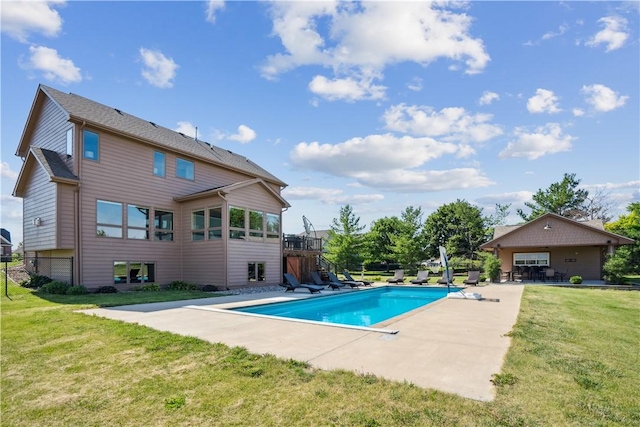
point(358, 308)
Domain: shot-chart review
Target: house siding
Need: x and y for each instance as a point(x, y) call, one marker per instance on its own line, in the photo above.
point(66, 234)
point(124, 174)
point(50, 131)
point(39, 202)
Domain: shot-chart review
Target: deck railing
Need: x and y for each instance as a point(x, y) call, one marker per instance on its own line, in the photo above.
point(292, 242)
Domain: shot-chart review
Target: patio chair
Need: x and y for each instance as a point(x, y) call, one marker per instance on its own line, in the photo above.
point(550, 274)
point(443, 279)
point(423, 277)
point(292, 284)
point(398, 277)
point(318, 281)
point(352, 283)
point(351, 279)
point(472, 278)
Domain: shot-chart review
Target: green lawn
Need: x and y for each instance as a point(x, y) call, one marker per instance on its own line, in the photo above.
point(574, 361)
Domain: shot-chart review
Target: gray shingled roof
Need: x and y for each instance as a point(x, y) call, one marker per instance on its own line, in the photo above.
point(82, 108)
point(52, 163)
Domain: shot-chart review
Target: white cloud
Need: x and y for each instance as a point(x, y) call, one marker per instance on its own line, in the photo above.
point(561, 30)
point(347, 89)
point(547, 139)
point(20, 18)
point(186, 128)
point(613, 186)
point(603, 98)
point(212, 6)
point(515, 197)
point(6, 172)
point(245, 134)
point(424, 181)
point(544, 101)
point(452, 124)
point(488, 97)
point(614, 34)
point(159, 70)
point(415, 84)
point(578, 112)
point(329, 196)
point(53, 67)
point(368, 36)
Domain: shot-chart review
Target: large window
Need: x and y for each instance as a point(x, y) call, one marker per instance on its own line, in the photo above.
point(133, 272)
point(91, 145)
point(137, 222)
point(158, 163)
point(163, 224)
point(108, 219)
point(197, 225)
point(273, 226)
point(256, 224)
point(215, 223)
point(532, 258)
point(237, 223)
point(256, 272)
point(184, 169)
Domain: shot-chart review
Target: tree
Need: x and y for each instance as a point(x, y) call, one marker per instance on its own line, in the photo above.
point(562, 198)
point(378, 241)
point(599, 204)
point(628, 226)
point(458, 226)
point(408, 244)
point(345, 240)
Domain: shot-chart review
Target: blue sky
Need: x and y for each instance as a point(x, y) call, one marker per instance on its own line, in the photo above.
point(380, 105)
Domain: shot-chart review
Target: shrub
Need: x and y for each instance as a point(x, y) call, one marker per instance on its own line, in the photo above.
point(492, 267)
point(77, 290)
point(209, 288)
point(55, 287)
point(35, 281)
point(615, 268)
point(106, 290)
point(575, 280)
point(179, 285)
point(149, 287)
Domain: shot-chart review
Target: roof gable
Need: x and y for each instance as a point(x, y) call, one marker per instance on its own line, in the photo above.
point(554, 230)
point(216, 191)
point(51, 162)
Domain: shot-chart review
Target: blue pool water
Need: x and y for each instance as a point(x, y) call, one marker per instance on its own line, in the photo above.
point(361, 308)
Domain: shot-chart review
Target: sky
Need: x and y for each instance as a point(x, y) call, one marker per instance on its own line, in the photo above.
point(380, 105)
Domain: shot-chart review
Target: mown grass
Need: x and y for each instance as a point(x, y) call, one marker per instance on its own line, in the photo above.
point(573, 361)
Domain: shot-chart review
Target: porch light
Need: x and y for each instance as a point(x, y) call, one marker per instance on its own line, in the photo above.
point(547, 226)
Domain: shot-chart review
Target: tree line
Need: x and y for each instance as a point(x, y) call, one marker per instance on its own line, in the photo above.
point(410, 238)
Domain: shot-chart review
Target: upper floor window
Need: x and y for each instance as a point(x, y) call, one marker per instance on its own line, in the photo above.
point(91, 145)
point(108, 219)
point(158, 163)
point(197, 225)
point(137, 222)
point(184, 169)
point(236, 223)
point(70, 142)
point(163, 224)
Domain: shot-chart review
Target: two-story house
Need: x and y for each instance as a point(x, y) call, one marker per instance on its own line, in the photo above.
point(134, 202)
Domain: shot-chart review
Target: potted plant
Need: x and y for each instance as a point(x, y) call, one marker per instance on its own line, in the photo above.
point(492, 268)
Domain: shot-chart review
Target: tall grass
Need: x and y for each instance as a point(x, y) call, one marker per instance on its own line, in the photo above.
point(573, 361)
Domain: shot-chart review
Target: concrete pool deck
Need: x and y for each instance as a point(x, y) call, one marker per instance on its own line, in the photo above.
point(452, 345)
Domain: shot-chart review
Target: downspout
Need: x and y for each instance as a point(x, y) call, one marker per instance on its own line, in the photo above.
point(225, 239)
point(78, 199)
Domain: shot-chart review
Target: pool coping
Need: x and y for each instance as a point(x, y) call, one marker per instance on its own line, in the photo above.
point(451, 345)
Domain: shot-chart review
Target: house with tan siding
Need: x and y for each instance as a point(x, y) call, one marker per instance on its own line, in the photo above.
point(132, 202)
point(570, 248)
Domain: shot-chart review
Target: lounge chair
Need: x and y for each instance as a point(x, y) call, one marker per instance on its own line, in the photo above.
point(318, 281)
point(472, 278)
point(351, 279)
point(292, 284)
point(423, 277)
point(443, 279)
point(351, 283)
point(398, 277)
